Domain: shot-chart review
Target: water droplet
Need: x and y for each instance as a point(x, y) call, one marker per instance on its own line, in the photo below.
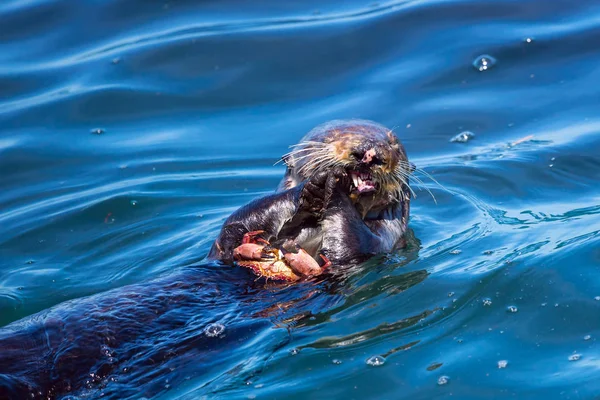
point(97, 131)
point(544, 304)
point(487, 302)
point(463, 137)
point(213, 330)
point(455, 251)
point(29, 262)
point(450, 294)
point(133, 202)
point(376, 361)
point(502, 364)
point(443, 380)
point(294, 351)
point(259, 385)
point(336, 361)
point(484, 62)
point(488, 252)
point(512, 309)
point(529, 40)
point(116, 60)
point(20, 288)
point(587, 337)
point(597, 298)
point(574, 357)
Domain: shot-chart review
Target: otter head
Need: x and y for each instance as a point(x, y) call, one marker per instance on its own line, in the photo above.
point(371, 154)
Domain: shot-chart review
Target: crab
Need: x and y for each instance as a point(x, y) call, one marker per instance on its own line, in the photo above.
point(274, 263)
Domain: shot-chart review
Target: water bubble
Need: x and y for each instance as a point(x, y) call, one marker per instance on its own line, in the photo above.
point(294, 351)
point(528, 40)
point(597, 298)
point(116, 60)
point(574, 357)
point(487, 302)
point(502, 364)
point(214, 330)
point(376, 361)
point(455, 251)
point(336, 361)
point(443, 380)
point(133, 202)
point(484, 62)
point(29, 262)
point(488, 252)
point(450, 294)
point(512, 309)
point(587, 337)
point(97, 131)
point(463, 137)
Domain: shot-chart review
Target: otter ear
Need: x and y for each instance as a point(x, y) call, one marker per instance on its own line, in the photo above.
point(392, 138)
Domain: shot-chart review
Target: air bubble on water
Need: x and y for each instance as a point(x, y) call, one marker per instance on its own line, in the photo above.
point(455, 251)
point(463, 137)
point(512, 309)
point(97, 131)
point(587, 337)
point(502, 364)
point(294, 351)
point(116, 60)
point(574, 357)
point(133, 202)
point(376, 361)
point(597, 298)
point(488, 252)
point(443, 380)
point(528, 40)
point(336, 361)
point(214, 330)
point(450, 294)
point(29, 262)
point(487, 302)
point(484, 62)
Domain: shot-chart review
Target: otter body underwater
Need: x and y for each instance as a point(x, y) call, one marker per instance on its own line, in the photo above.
point(344, 197)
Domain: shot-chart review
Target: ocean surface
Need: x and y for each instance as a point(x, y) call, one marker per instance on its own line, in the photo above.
point(129, 130)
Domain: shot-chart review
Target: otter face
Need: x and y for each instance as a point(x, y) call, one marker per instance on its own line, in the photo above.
point(371, 154)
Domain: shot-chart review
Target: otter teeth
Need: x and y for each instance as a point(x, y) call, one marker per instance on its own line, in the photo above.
point(355, 178)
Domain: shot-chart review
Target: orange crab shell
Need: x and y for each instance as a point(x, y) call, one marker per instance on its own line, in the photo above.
point(275, 270)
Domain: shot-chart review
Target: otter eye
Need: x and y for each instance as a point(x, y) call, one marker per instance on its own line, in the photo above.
point(357, 154)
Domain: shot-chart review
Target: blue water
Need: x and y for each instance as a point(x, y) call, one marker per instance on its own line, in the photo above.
point(129, 130)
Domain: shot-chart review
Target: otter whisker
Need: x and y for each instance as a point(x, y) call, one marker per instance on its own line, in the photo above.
point(421, 185)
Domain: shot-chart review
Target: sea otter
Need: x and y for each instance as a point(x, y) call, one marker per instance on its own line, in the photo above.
point(345, 195)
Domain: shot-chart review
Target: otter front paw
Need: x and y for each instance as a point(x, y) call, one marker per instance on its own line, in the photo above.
point(319, 189)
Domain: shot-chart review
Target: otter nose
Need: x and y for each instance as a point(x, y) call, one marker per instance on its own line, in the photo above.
point(369, 156)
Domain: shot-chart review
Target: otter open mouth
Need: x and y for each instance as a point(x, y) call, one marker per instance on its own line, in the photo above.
point(363, 181)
